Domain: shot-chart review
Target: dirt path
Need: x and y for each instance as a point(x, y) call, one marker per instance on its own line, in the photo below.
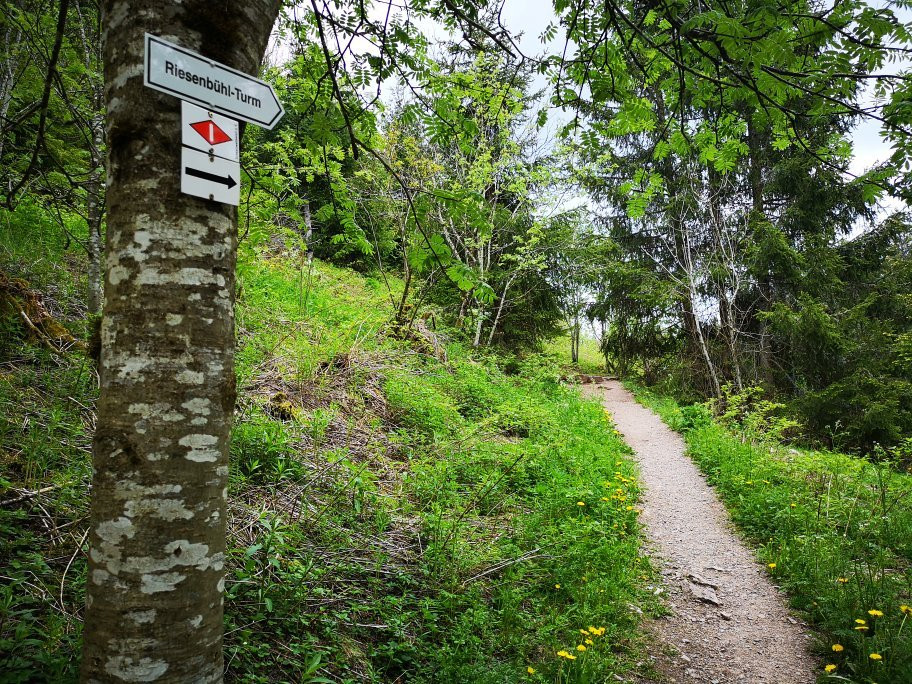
point(728, 624)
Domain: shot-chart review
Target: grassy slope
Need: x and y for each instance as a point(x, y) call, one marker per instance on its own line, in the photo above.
point(838, 530)
point(394, 512)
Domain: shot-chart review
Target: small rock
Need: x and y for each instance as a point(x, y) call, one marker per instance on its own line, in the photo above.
point(705, 594)
point(725, 616)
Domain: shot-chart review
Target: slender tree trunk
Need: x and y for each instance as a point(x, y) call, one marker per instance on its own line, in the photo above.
point(95, 213)
point(574, 339)
point(726, 310)
point(479, 321)
point(756, 184)
point(7, 77)
point(155, 587)
point(500, 306)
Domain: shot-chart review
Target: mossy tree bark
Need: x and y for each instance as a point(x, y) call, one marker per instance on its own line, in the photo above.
point(157, 537)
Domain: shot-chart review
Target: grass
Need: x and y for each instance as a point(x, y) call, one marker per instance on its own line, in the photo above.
point(394, 512)
point(591, 360)
point(834, 530)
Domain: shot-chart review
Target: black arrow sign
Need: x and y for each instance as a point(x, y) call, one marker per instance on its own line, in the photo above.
point(205, 175)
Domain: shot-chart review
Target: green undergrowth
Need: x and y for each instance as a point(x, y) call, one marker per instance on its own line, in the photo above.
point(834, 530)
point(400, 509)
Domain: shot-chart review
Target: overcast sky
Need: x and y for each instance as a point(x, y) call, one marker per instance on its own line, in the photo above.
point(531, 17)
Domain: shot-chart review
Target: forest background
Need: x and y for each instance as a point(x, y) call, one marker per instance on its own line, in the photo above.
point(678, 179)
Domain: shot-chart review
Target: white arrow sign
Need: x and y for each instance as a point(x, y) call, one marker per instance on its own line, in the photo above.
point(219, 88)
point(210, 177)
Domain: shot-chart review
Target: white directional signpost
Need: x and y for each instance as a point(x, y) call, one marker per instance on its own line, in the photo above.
point(214, 97)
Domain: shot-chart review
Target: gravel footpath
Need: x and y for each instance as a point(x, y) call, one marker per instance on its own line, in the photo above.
point(728, 623)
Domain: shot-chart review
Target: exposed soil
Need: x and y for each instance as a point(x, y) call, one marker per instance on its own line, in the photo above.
point(728, 622)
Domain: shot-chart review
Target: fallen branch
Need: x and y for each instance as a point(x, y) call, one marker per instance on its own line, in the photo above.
point(25, 495)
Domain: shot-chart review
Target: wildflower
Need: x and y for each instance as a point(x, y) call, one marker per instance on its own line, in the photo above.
point(771, 566)
point(906, 610)
point(590, 642)
point(605, 498)
point(583, 631)
point(750, 482)
point(793, 505)
point(875, 613)
point(859, 621)
point(861, 628)
point(830, 668)
point(530, 670)
point(596, 631)
point(557, 586)
point(580, 648)
point(567, 655)
point(629, 508)
point(842, 580)
point(875, 656)
point(837, 648)
point(580, 503)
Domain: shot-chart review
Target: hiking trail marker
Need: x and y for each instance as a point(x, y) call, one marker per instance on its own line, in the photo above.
point(214, 96)
point(219, 88)
point(210, 177)
point(209, 132)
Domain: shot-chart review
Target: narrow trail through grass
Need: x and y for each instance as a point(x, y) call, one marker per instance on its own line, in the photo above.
point(728, 623)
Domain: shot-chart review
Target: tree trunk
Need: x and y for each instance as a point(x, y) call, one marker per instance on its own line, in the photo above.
point(479, 321)
point(500, 306)
point(756, 183)
point(726, 309)
point(155, 588)
point(574, 339)
point(95, 213)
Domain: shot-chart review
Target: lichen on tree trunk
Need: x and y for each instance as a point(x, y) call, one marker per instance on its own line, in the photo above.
point(157, 531)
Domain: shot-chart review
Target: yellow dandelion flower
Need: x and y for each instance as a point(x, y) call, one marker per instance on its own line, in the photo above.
point(793, 505)
point(590, 642)
point(580, 648)
point(629, 508)
point(830, 668)
point(557, 586)
point(530, 670)
point(567, 655)
point(605, 498)
point(875, 656)
point(905, 609)
point(771, 566)
point(837, 648)
point(583, 631)
point(861, 628)
point(842, 580)
point(859, 621)
point(580, 503)
point(875, 613)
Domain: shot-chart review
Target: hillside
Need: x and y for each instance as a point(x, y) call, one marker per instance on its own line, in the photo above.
point(398, 508)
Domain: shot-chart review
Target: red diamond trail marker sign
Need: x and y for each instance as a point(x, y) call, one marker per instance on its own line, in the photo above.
point(210, 131)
